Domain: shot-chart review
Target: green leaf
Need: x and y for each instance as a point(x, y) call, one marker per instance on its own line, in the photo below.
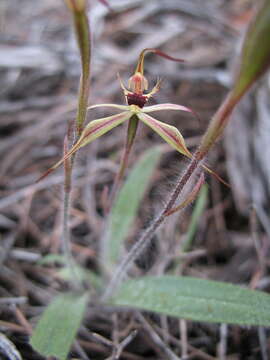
point(127, 203)
point(57, 328)
point(196, 299)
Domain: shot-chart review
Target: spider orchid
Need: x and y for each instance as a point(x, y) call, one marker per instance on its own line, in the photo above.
point(134, 111)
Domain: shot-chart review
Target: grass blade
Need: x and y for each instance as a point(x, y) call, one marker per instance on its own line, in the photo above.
point(127, 203)
point(57, 328)
point(196, 299)
point(195, 218)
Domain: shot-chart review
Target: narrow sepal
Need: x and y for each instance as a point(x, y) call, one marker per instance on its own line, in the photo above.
point(168, 132)
point(160, 107)
point(92, 131)
point(120, 107)
point(190, 198)
point(140, 65)
point(213, 173)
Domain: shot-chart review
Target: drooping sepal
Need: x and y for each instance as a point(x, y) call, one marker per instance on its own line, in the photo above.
point(190, 197)
point(168, 132)
point(92, 131)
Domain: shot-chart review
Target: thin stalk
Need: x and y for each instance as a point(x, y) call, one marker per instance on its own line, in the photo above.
point(82, 30)
point(66, 241)
point(147, 235)
point(131, 133)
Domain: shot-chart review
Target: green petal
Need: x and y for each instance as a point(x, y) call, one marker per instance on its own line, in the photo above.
point(92, 131)
point(169, 133)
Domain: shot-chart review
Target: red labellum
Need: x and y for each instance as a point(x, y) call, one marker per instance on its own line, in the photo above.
point(136, 99)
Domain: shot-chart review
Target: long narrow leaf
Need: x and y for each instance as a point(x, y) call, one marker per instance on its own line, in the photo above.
point(195, 218)
point(57, 328)
point(196, 299)
point(127, 204)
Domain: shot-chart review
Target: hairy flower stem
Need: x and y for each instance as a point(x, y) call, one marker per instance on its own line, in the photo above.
point(131, 133)
point(82, 30)
point(66, 241)
point(147, 235)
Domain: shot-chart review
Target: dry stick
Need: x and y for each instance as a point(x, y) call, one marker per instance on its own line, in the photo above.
point(157, 339)
point(80, 351)
point(147, 235)
point(254, 230)
point(263, 343)
point(222, 346)
point(120, 347)
point(184, 338)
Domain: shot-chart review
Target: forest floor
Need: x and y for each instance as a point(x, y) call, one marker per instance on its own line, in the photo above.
point(39, 72)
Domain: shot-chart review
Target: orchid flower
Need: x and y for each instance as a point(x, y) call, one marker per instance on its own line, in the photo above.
point(135, 111)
